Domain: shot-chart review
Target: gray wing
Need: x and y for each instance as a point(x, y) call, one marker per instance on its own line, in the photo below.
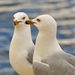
point(41, 69)
point(30, 55)
point(59, 64)
point(71, 59)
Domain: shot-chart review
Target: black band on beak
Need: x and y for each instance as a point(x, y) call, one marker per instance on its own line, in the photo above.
point(14, 23)
point(26, 22)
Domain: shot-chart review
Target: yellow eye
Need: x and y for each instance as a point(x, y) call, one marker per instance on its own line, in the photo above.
point(38, 20)
point(23, 18)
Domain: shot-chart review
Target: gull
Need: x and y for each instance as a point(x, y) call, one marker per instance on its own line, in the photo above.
point(21, 47)
point(49, 58)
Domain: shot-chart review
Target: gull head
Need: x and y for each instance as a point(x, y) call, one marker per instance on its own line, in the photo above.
point(44, 23)
point(19, 18)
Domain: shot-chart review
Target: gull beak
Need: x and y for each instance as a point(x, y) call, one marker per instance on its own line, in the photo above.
point(29, 22)
point(16, 23)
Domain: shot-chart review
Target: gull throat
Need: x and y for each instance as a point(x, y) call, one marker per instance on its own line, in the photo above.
point(45, 45)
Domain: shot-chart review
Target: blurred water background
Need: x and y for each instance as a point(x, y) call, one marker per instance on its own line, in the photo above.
point(62, 10)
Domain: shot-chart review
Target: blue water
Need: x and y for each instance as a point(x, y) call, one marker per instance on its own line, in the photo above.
point(35, 8)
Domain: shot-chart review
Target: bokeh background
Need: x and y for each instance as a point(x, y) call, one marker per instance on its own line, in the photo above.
point(62, 10)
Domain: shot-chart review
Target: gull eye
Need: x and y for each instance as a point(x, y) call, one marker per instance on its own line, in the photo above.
point(38, 20)
point(13, 17)
point(23, 18)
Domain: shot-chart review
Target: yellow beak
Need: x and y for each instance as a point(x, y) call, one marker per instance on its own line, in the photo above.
point(29, 22)
point(16, 23)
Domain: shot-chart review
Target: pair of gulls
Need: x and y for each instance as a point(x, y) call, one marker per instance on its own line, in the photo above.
point(47, 57)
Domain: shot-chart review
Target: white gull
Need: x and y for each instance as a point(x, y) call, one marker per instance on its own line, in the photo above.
point(49, 58)
point(21, 47)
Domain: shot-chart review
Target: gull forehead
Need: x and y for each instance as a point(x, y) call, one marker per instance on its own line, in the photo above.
point(44, 16)
point(20, 14)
